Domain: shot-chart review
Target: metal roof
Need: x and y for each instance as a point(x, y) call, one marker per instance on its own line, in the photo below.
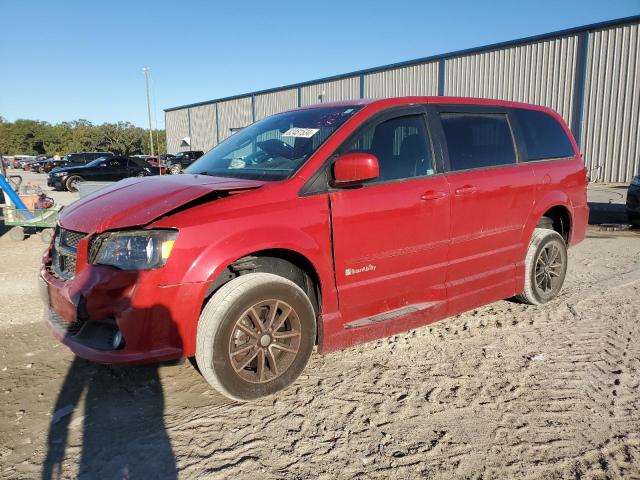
point(458, 53)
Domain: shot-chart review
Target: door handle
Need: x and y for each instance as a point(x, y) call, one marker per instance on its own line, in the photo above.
point(432, 195)
point(466, 190)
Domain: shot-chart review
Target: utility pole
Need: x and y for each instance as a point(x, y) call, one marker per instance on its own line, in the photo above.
point(146, 81)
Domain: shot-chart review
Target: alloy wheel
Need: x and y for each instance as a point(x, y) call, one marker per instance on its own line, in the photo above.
point(265, 341)
point(549, 267)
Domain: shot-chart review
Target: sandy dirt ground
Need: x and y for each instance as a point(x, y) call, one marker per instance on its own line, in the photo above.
point(505, 391)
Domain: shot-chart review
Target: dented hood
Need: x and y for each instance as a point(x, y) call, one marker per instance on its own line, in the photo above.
point(139, 201)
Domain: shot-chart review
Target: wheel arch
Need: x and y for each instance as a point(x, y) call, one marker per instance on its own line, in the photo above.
point(559, 219)
point(284, 262)
point(555, 206)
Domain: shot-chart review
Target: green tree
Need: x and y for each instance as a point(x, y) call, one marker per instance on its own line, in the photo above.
point(30, 137)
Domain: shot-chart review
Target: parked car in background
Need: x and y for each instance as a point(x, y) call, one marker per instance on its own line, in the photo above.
point(155, 161)
point(182, 160)
point(24, 161)
point(103, 169)
point(52, 163)
point(633, 201)
point(39, 165)
point(329, 225)
point(82, 158)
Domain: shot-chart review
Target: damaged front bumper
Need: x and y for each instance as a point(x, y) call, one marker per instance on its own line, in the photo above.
point(113, 316)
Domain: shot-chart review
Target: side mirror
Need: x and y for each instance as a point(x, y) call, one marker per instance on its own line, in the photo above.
point(355, 167)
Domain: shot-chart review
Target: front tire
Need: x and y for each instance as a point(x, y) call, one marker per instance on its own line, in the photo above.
point(72, 183)
point(545, 267)
point(255, 336)
point(175, 169)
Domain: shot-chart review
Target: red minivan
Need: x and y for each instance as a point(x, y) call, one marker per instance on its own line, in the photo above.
point(328, 225)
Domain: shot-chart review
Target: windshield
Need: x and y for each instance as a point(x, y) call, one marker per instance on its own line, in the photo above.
point(273, 148)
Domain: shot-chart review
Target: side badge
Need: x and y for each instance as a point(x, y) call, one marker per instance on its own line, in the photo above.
point(353, 271)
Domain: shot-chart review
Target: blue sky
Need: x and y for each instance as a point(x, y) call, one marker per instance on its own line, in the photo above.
point(64, 60)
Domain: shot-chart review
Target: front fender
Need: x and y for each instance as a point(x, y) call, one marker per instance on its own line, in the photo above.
point(212, 260)
point(217, 256)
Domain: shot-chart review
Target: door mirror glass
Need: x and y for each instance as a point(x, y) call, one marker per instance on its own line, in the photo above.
point(355, 167)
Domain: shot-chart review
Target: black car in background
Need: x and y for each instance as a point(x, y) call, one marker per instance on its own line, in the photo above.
point(103, 169)
point(39, 165)
point(52, 163)
point(182, 160)
point(633, 201)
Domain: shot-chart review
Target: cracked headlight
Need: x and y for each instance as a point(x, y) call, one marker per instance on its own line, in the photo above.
point(134, 249)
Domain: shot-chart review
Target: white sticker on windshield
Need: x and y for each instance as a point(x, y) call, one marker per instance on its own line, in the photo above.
point(301, 132)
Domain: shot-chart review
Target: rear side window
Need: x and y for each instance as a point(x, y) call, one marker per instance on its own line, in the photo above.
point(543, 136)
point(478, 140)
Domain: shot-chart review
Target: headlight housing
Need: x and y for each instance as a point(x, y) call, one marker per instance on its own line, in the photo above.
point(133, 249)
point(59, 174)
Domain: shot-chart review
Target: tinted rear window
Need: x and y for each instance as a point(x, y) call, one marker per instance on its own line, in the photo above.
point(478, 140)
point(543, 136)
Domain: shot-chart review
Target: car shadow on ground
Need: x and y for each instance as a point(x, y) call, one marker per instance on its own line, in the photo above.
point(109, 420)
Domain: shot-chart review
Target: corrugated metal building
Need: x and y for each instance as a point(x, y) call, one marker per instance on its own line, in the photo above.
point(589, 74)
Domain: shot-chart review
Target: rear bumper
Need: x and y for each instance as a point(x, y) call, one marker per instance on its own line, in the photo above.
point(86, 312)
point(580, 221)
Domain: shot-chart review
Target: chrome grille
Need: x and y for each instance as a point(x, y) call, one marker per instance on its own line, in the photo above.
point(64, 252)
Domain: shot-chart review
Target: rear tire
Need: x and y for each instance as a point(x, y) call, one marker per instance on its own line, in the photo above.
point(255, 336)
point(545, 267)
